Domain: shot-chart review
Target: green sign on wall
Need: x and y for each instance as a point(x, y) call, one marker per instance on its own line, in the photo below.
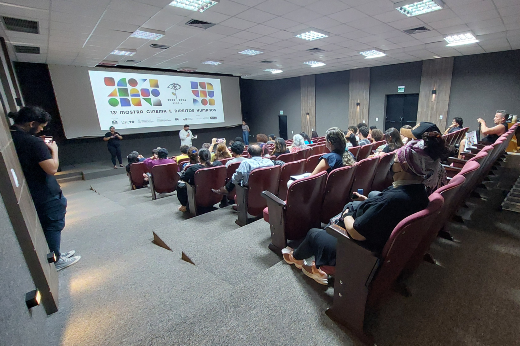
point(400, 89)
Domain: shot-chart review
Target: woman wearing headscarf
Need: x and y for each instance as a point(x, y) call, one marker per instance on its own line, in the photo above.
point(416, 171)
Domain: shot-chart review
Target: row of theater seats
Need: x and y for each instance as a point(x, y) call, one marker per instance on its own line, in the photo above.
point(363, 277)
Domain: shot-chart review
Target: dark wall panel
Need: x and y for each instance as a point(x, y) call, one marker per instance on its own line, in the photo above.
point(484, 83)
point(384, 80)
point(262, 102)
point(332, 97)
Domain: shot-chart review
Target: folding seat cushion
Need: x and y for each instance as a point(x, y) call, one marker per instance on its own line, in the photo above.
point(364, 151)
point(290, 168)
point(365, 174)
point(337, 191)
point(136, 175)
point(164, 178)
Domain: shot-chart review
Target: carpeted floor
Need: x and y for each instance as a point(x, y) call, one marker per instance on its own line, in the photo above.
point(128, 291)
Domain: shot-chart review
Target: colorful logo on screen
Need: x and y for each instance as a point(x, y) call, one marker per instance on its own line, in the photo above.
point(133, 92)
point(204, 93)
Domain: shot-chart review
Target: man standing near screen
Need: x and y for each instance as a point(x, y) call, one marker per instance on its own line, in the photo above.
point(186, 136)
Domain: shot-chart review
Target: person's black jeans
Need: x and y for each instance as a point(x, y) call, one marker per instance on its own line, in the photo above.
point(115, 151)
point(52, 218)
point(182, 193)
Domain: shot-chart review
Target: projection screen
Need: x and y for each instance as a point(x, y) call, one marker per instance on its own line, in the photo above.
point(91, 100)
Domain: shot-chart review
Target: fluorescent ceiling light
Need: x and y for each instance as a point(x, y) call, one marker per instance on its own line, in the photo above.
point(148, 34)
point(250, 52)
point(419, 7)
point(369, 54)
point(194, 5)
point(311, 35)
point(122, 51)
point(209, 62)
point(315, 63)
point(273, 70)
point(458, 40)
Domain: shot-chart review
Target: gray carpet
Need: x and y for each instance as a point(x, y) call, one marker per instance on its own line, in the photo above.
point(128, 291)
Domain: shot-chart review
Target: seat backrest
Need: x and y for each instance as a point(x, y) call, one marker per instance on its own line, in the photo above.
point(223, 161)
point(136, 174)
point(401, 245)
point(165, 177)
point(354, 151)
point(229, 174)
point(337, 191)
point(315, 150)
point(261, 179)
point(205, 180)
point(304, 198)
point(312, 162)
point(364, 151)
point(289, 157)
point(382, 179)
point(290, 168)
point(301, 155)
point(181, 162)
point(365, 174)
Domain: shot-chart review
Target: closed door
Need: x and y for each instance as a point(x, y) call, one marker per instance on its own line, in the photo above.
point(282, 124)
point(401, 110)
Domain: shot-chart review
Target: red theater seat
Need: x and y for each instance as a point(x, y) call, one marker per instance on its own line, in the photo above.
point(229, 174)
point(249, 198)
point(301, 155)
point(163, 179)
point(382, 178)
point(337, 192)
point(292, 218)
point(354, 151)
point(289, 157)
point(136, 175)
point(290, 168)
point(364, 151)
point(312, 162)
point(200, 194)
point(365, 174)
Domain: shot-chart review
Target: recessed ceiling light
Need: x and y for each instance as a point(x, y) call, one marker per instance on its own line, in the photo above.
point(315, 63)
point(148, 34)
point(312, 34)
point(436, 57)
point(194, 5)
point(209, 62)
point(122, 51)
point(457, 40)
point(250, 52)
point(370, 54)
point(273, 70)
point(419, 7)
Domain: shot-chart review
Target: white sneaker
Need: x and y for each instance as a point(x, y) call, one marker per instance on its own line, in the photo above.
point(68, 254)
point(63, 263)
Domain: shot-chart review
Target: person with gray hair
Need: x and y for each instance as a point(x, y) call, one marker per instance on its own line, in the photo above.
point(297, 144)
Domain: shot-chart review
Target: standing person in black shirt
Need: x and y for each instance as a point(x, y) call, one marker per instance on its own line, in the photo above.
point(112, 138)
point(39, 161)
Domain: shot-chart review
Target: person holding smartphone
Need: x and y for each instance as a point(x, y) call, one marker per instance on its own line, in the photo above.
point(112, 138)
point(39, 161)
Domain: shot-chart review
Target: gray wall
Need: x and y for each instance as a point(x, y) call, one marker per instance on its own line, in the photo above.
point(485, 83)
point(262, 102)
point(332, 97)
point(18, 325)
point(384, 80)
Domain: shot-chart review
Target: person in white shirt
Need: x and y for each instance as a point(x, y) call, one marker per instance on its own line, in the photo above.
point(186, 136)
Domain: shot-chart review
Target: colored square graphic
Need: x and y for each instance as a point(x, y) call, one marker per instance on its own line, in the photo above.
point(202, 85)
point(147, 100)
point(195, 93)
point(156, 92)
point(157, 102)
point(209, 86)
point(123, 92)
point(113, 93)
point(134, 92)
point(194, 85)
point(132, 82)
point(122, 82)
point(109, 81)
point(196, 102)
point(145, 92)
point(211, 102)
point(211, 94)
point(126, 92)
point(203, 93)
point(125, 102)
point(136, 102)
point(154, 83)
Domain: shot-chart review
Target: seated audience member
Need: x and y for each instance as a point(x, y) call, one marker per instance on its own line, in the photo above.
point(280, 147)
point(369, 221)
point(133, 157)
point(261, 139)
point(162, 158)
point(351, 140)
point(492, 133)
point(306, 138)
point(361, 125)
point(184, 153)
point(456, 125)
point(243, 171)
point(370, 129)
point(237, 148)
point(272, 138)
point(338, 156)
point(377, 135)
point(188, 176)
point(221, 152)
point(193, 155)
point(393, 141)
point(314, 134)
point(354, 130)
point(239, 139)
point(404, 129)
point(297, 144)
point(205, 146)
point(363, 135)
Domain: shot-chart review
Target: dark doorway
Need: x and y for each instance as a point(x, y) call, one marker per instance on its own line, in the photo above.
point(282, 125)
point(401, 110)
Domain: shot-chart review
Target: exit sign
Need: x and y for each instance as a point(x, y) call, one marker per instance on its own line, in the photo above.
point(400, 89)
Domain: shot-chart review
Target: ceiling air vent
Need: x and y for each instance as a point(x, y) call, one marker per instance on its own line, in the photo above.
point(159, 46)
point(21, 25)
point(416, 30)
point(26, 49)
point(267, 61)
point(199, 24)
point(315, 50)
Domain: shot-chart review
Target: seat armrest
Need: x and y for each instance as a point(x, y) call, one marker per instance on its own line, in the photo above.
point(269, 196)
point(457, 160)
point(468, 156)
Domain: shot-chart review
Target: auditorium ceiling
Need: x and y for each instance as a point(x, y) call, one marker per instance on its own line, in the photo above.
point(86, 32)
